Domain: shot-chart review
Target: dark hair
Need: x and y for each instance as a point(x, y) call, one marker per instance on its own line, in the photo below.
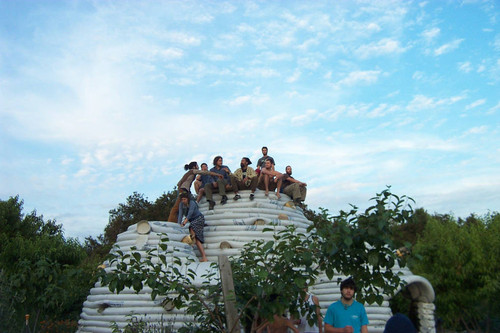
point(264, 148)
point(248, 160)
point(202, 164)
point(184, 195)
point(216, 158)
point(190, 166)
point(349, 282)
point(399, 323)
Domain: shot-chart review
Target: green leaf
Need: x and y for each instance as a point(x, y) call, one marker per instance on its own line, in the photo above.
point(268, 246)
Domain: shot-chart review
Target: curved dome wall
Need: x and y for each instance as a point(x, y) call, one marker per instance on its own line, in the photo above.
point(228, 228)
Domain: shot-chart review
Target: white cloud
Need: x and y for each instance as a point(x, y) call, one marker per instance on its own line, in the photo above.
point(475, 104)
point(366, 77)
point(217, 57)
point(465, 67)
point(418, 75)
point(448, 47)
point(374, 27)
point(421, 102)
point(494, 109)
point(182, 81)
point(294, 77)
point(310, 63)
point(273, 56)
point(496, 43)
point(308, 44)
point(382, 110)
point(296, 21)
point(431, 33)
point(256, 98)
point(477, 130)
point(67, 161)
point(384, 46)
point(182, 38)
point(304, 119)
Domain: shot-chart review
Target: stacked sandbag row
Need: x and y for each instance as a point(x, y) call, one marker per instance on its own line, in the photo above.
point(103, 309)
point(229, 227)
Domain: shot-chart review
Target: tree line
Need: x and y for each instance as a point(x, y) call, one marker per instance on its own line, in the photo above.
point(47, 275)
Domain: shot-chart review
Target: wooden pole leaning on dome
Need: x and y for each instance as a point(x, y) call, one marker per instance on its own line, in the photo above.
point(226, 276)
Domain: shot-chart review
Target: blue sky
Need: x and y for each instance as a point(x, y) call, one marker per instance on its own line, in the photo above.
point(99, 99)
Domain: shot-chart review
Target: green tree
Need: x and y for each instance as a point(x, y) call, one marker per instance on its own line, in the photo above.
point(39, 269)
point(460, 261)
point(135, 209)
point(406, 234)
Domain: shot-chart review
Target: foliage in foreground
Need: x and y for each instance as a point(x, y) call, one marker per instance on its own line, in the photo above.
point(353, 243)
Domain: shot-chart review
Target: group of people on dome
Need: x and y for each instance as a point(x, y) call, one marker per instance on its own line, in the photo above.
point(220, 179)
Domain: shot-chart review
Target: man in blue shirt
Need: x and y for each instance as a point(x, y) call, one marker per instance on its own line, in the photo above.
point(222, 184)
point(346, 315)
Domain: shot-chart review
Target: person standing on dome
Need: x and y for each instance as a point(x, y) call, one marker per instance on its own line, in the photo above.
point(189, 212)
point(261, 162)
point(346, 315)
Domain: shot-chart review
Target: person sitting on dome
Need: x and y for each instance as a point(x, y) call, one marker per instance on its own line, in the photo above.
point(270, 179)
point(184, 186)
point(221, 183)
point(201, 181)
point(292, 187)
point(244, 178)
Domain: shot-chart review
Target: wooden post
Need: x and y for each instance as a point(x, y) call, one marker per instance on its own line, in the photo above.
point(226, 276)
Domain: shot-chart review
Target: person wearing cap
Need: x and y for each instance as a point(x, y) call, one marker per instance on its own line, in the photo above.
point(346, 315)
point(244, 178)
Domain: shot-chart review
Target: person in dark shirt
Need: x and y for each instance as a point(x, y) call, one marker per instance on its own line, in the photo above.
point(222, 184)
point(292, 187)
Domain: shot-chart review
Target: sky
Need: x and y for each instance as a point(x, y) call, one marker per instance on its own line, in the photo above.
point(100, 99)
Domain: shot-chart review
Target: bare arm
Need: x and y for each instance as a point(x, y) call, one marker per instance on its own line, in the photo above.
point(318, 314)
point(271, 173)
point(364, 329)
point(262, 327)
point(285, 322)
